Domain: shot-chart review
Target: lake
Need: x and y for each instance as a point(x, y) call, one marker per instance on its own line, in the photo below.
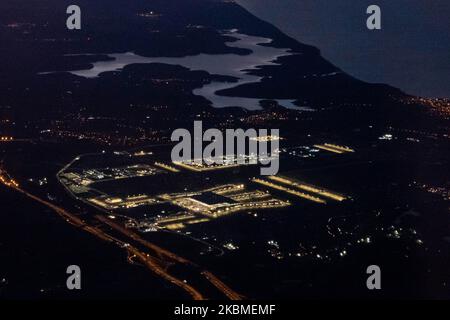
point(221, 64)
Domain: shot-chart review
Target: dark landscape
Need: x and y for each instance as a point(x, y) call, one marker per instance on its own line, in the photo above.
point(87, 178)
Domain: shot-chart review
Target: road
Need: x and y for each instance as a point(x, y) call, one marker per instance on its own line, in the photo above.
point(214, 280)
point(158, 265)
point(232, 295)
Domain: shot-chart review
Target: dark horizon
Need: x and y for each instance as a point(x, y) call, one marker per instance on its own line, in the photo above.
point(411, 52)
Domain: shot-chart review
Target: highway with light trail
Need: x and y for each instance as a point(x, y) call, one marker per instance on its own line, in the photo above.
point(157, 265)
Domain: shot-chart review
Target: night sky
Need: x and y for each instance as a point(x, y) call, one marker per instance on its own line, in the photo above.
point(411, 52)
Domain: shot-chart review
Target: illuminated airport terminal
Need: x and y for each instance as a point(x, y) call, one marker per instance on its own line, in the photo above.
point(300, 189)
point(334, 148)
point(225, 200)
point(114, 203)
point(90, 176)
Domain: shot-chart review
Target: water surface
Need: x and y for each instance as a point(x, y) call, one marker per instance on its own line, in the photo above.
point(221, 64)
